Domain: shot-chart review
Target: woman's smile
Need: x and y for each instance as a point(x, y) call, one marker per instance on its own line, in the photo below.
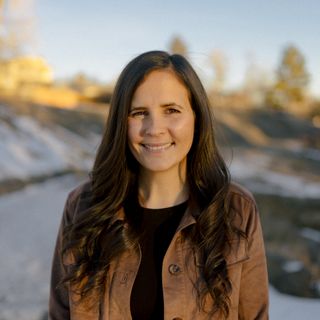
point(157, 147)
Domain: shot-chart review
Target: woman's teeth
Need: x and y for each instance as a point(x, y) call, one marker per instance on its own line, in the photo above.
point(161, 147)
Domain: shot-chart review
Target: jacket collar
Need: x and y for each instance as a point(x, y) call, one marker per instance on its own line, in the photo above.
point(188, 218)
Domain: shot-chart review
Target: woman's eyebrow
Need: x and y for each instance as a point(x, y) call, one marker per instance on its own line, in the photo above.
point(170, 104)
point(163, 105)
point(137, 108)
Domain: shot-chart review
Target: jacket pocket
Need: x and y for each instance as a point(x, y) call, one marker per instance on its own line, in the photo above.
point(238, 252)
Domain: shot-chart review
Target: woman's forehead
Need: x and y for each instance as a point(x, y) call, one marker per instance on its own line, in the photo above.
point(161, 84)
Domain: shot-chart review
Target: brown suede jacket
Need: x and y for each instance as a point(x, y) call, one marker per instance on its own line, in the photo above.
point(246, 266)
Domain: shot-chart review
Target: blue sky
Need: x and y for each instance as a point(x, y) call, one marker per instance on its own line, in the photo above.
point(99, 37)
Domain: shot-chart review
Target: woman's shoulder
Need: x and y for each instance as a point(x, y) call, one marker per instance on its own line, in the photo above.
point(238, 192)
point(80, 191)
point(78, 200)
point(242, 202)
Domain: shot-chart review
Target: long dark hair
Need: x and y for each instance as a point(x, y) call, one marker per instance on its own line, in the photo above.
point(114, 180)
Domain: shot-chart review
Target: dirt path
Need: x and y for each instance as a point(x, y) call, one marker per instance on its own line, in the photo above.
point(28, 226)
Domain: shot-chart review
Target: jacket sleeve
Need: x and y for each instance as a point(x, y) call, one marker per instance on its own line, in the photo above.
point(254, 293)
point(59, 296)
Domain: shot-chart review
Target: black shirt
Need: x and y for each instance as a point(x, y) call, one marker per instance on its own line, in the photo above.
point(158, 227)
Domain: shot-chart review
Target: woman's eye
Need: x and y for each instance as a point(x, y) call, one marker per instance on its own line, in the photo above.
point(173, 110)
point(135, 114)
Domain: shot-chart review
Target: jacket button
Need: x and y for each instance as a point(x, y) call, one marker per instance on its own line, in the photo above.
point(174, 269)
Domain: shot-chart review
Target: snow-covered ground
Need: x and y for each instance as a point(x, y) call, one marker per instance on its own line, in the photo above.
point(28, 225)
point(256, 171)
point(30, 149)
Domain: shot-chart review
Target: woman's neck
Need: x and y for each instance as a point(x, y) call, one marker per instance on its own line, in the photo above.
point(162, 189)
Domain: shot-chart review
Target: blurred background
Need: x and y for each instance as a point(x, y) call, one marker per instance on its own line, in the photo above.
point(260, 64)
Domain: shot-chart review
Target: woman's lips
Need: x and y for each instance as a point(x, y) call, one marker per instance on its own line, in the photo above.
point(156, 147)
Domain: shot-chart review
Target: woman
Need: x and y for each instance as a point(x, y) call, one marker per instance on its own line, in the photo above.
point(158, 231)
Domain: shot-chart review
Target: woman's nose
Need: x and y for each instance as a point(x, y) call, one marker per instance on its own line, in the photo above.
point(154, 125)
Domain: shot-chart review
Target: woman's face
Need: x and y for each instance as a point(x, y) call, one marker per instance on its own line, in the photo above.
point(161, 122)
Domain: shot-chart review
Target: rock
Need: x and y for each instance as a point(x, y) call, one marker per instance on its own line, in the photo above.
point(312, 239)
point(311, 218)
point(290, 276)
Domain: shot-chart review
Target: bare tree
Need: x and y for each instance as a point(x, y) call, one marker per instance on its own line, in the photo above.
point(257, 81)
point(219, 61)
point(292, 79)
point(177, 45)
point(17, 26)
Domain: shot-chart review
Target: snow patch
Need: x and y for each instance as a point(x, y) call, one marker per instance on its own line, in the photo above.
point(254, 172)
point(28, 148)
point(292, 266)
point(288, 307)
point(311, 234)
